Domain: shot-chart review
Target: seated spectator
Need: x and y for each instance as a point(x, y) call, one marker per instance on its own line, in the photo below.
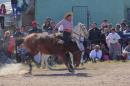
point(112, 41)
point(126, 52)
point(105, 53)
point(96, 54)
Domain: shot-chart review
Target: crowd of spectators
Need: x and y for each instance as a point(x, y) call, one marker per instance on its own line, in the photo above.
point(105, 41)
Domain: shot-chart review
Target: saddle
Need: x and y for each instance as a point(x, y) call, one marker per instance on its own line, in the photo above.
point(60, 39)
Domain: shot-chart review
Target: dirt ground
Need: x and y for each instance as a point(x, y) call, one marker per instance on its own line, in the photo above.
point(99, 74)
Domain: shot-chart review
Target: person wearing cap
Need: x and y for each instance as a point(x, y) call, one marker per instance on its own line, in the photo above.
point(67, 27)
point(96, 54)
point(35, 29)
point(113, 43)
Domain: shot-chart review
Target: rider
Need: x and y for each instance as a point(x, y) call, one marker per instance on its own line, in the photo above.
point(67, 28)
point(35, 29)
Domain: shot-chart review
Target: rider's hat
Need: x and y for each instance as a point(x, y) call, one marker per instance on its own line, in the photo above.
point(68, 14)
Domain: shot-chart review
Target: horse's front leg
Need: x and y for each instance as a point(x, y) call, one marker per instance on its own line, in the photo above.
point(30, 68)
point(44, 62)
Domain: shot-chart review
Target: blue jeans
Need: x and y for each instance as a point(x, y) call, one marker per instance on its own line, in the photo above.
point(14, 7)
point(2, 20)
point(66, 38)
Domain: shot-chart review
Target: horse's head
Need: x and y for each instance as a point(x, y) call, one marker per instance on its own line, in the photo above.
point(81, 29)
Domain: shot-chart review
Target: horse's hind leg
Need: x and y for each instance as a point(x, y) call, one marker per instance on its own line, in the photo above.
point(69, 62)
point(30, 68)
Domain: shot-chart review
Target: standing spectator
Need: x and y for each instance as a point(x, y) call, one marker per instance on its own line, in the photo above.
point(52, 27)
point(105, 30)
point(104, 24)
point(14, 6)
point(18, 17)
point(120, 33)
point(2, 14)
point(114, 46)
point(46, 26)
point(126, 36)
point(96, 54)
point(123, 27)
point(94, 34)
point(35, 29)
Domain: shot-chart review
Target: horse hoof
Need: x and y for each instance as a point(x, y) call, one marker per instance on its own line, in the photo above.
point(71, 70)
point(28, 74)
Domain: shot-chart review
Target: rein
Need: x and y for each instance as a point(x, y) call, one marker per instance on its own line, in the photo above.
point(77, 34)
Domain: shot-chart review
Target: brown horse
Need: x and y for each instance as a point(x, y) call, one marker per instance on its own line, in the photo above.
point(50, 44)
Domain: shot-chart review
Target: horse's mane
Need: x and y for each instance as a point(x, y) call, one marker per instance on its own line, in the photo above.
point(80, 29)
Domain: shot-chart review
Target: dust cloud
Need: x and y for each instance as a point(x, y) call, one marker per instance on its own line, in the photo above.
point(13, 69)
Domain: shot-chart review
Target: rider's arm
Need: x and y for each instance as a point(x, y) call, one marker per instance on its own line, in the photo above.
point(59, 24)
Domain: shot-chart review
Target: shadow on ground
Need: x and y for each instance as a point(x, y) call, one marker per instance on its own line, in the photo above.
point(63, 69)
point(66, 75)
